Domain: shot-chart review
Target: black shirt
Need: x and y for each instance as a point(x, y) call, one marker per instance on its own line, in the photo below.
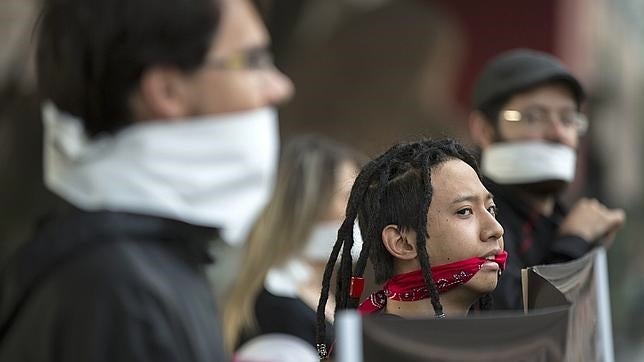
point(530, 239)
point(107, 286)
point(277, 314)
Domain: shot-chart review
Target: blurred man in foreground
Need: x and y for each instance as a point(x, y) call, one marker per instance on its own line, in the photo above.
point(160, 135)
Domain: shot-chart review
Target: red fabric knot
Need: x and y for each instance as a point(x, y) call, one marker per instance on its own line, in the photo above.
point(409, 287)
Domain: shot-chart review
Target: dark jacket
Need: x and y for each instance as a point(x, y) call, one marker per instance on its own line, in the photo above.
point(107, 286)
point(277, 314)
point(530, 239)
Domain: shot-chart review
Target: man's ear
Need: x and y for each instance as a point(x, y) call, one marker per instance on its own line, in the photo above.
point(482, 131)
point(400, 244)
point(163, 93)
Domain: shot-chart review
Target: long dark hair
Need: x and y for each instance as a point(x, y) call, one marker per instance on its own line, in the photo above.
point(395, 188)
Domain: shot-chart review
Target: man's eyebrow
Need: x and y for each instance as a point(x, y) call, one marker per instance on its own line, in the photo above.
point(471, 198)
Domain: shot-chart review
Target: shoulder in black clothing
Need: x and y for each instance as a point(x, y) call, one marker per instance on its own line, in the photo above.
point(278, 314)
point(530, 239)
point(110, 286)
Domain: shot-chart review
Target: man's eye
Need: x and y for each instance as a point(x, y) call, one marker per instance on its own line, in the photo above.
point(259, 58)
point(465, 212)
point(568, 118)
point(533, 116)
point(492, 210)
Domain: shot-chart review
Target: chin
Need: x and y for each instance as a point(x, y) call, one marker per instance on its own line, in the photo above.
point(483, 282)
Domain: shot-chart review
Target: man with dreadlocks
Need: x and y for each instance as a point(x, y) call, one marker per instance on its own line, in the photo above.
point(429, 228)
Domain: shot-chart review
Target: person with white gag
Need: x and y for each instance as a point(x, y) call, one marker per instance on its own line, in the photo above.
point(160, 134)
point(527, 122)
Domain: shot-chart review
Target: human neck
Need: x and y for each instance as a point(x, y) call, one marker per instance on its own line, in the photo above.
point(456, 303)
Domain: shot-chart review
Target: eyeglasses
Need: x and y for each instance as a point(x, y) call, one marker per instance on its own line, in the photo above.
point(252, 58)
point(540, 119)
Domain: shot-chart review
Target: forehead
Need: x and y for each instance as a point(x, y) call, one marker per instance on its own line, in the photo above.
point(240, 28)
point(453, 179)
point(549, 95)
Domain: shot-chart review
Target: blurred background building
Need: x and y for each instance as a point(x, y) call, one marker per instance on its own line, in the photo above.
point(373, 72)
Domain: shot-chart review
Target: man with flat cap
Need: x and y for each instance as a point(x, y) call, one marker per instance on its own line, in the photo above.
point(527, 122)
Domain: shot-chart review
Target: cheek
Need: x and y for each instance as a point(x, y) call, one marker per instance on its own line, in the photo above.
point(450, 243)
point(571, 140)
point(456, 240)
point(224, 93)
point(515, 133)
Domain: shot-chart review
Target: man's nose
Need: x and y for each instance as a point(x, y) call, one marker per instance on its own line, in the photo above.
point(556, 131)
point(492, 229)
point(278, 88)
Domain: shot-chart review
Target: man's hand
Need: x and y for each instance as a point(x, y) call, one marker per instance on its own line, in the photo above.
point(593, 221)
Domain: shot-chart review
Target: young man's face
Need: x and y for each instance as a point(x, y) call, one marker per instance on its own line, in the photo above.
point(461, 221)
point(542, 112)
point(238, 74)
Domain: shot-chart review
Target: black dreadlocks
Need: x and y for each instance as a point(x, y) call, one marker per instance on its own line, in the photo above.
point(395, 188)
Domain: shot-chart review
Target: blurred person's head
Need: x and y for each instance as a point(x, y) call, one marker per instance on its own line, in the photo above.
point(419, 205)
point(300, 222)
point(526, 119)
point(162, 108)
point(115, 62)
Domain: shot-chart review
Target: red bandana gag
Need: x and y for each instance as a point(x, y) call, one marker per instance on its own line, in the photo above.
point(411, 286)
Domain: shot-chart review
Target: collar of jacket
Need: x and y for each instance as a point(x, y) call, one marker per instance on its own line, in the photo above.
point(73, 231)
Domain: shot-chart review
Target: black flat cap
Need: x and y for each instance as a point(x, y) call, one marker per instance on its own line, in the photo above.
point(518, 70)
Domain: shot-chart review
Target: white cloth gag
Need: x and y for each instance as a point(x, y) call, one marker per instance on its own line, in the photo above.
point(215, 171)
point(528, 162)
